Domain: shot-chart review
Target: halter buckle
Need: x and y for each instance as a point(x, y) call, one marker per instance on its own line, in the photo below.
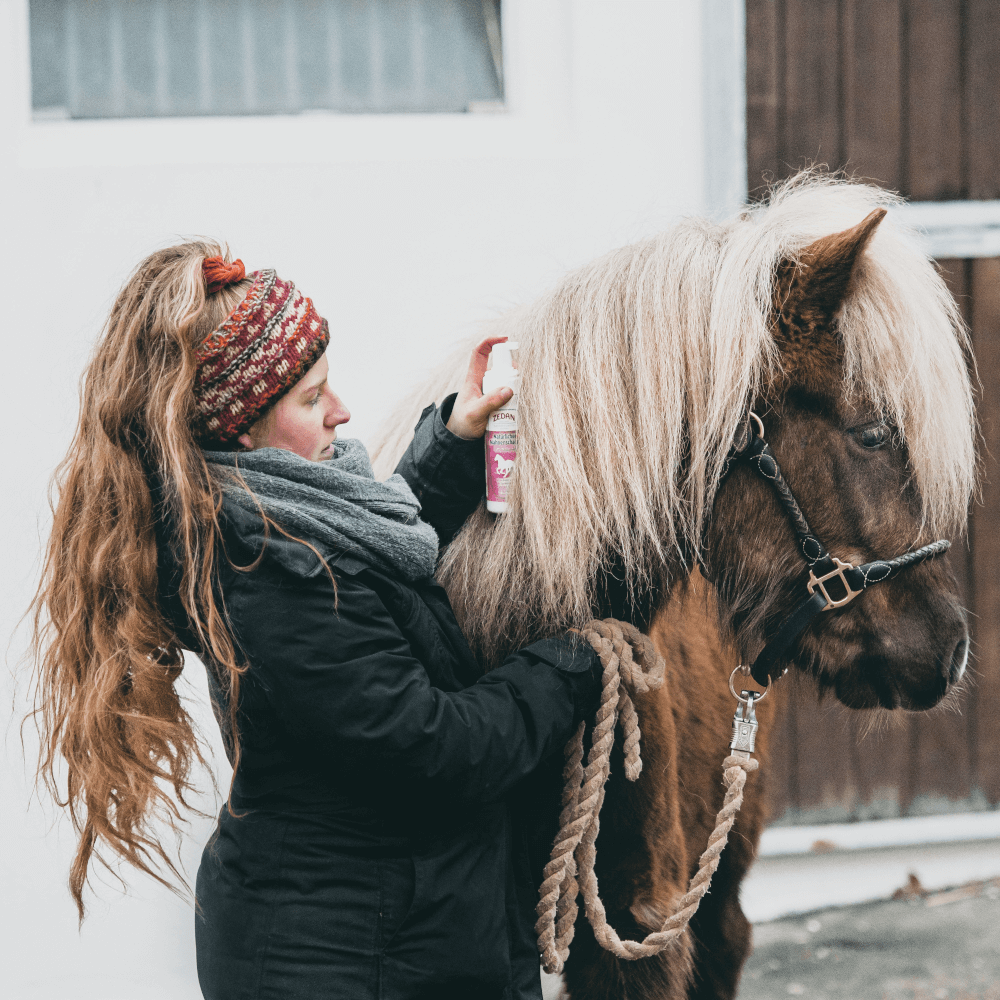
point(819, 581)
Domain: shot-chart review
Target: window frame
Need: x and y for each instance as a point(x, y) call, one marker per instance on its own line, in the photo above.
point(534, 121)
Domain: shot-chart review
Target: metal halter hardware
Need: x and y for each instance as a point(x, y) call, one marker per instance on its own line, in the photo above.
point(836, 573)
point(742, 698)
point(832, 582)
point(745, 724)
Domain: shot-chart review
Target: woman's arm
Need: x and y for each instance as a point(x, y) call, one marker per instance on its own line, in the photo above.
point(347, 687)
point(447, 473)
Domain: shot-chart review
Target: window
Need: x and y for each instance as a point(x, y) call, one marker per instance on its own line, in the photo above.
point(152, 58)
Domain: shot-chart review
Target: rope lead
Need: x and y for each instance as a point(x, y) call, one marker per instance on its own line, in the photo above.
point(631, 664)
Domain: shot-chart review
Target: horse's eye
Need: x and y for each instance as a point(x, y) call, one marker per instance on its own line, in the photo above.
point(874, 436)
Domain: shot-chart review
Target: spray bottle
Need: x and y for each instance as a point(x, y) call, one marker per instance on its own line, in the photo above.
point(501, 428)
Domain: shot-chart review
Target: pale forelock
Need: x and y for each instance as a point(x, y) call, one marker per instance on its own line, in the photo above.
point(637, 371)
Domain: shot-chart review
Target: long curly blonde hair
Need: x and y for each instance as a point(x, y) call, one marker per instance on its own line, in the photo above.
point(117, 745)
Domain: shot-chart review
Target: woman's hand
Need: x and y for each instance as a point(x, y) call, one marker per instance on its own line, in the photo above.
point(472, 409)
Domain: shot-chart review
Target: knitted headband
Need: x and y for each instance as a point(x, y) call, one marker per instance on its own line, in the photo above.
point(268, 342)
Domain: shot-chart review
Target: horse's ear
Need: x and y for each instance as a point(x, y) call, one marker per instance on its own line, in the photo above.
point(821, 277)
point(810, 291)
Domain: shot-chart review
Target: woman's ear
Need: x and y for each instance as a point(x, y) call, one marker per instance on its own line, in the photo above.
point(244, 439)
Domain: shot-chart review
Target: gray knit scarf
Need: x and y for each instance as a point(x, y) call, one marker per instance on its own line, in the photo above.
point(337, 503)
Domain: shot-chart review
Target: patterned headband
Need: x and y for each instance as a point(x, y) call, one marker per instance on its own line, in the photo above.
point(269, 341)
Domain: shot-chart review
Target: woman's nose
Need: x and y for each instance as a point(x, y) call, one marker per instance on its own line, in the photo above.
point(337, 413)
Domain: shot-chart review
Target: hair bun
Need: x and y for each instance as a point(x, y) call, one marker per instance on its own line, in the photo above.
point(218, 273)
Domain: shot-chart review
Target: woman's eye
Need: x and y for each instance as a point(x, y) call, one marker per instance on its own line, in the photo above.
point(873, 437)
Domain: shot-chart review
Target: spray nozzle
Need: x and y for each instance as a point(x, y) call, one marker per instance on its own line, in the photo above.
point(500, 354)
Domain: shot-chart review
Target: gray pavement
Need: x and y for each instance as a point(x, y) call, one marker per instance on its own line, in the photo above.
point(938, 946)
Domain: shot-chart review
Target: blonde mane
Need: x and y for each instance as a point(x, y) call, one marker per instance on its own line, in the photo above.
point(637, 371)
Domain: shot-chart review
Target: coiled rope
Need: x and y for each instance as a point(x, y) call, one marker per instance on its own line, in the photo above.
point(631, 664)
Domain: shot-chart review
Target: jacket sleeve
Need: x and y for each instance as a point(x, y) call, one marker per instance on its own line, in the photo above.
point(348, 689)
point(447, 473)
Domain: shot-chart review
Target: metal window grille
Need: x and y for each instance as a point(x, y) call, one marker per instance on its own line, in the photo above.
point(153, 58)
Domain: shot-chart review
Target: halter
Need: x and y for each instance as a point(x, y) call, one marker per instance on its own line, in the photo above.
point(832, 582)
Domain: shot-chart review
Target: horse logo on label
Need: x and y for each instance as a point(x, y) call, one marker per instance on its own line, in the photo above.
point(504, 466)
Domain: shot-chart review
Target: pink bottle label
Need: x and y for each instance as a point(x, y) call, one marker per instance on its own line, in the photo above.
point(501, 450)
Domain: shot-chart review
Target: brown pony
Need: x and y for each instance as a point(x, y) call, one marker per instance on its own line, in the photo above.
point(638, 373)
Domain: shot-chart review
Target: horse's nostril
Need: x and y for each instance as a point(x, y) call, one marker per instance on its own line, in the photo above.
point(959, 658)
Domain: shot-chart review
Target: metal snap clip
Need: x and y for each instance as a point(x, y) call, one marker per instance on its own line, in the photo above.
point(745, 726)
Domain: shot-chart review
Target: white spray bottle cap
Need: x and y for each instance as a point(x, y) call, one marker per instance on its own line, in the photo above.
point(501, 356)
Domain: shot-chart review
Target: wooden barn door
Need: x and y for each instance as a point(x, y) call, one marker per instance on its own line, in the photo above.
point(905, 93)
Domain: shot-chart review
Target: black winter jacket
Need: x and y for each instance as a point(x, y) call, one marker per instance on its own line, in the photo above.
point(392, 807)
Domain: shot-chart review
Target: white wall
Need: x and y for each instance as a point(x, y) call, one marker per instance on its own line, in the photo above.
point(405, 230)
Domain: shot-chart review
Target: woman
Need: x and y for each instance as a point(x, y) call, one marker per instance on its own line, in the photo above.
point(377, 840)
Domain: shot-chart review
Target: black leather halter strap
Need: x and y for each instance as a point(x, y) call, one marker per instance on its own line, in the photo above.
point(832, 582)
